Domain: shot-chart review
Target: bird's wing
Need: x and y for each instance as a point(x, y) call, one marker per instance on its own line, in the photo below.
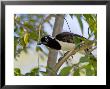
point(67, 37)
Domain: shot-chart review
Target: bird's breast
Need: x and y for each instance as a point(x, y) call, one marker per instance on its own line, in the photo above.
point(66, 46)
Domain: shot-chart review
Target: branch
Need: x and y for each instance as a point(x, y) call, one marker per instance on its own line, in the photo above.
point(70, 53)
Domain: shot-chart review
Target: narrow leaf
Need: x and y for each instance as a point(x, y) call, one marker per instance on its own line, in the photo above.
point(65, 71)
point(92, 23)
point(78, 16)
point(26, 38)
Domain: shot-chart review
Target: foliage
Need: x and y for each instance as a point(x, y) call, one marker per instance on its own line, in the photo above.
point(26, 31)
point(30, 27)
point(17, 72)
point(65, 71)
point(90, 67)
point(33, 72)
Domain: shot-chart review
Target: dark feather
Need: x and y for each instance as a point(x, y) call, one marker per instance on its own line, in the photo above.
point(50, 42)
point(67, 37)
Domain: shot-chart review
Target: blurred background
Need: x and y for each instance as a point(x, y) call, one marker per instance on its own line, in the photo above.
point(31, 59)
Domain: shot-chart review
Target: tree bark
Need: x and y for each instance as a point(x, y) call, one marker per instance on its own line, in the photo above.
point(52, 57)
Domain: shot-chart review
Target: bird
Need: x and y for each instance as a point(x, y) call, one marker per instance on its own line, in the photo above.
point(65, 41)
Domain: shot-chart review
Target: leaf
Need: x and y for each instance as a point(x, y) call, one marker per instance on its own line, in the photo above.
point(93, 62)
point(89, 71)
point(28, 25)
point(32, 20)
point(76, 73)
point(34, 35)
point(15, 45)
point(92, 23)
point(21, 32)
point(76, 40)
point(84, 59)
point(26, 38)
point(65, 71)
point(44, 73)
point(34, 72)
point(80, 21)
point(18, 19)
point(21, 42)
point(17, 72)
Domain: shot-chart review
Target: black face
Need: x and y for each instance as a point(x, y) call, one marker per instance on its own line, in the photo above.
point(46, 39)
point(50, 42)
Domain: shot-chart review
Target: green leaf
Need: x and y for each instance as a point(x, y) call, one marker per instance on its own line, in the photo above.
point(17, 72)
point(21, 31)
point(34, 72)
point(92, 23)
point(15, 45)
point(32, 20)
point(33, 35)
point(93, 62)
point(76, 40)
point(28, 25)
point(80, 21)
point(44, 73)
point(65, 71)
point(89, 71)
point(18, 19)
point(76, 73)
point(84, 59)
point(26, 38)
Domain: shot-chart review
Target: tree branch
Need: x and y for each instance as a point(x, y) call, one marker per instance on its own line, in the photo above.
point(70, 53)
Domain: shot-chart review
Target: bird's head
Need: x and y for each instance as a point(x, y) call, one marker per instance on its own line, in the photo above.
point(46, 40)
point(50, 42)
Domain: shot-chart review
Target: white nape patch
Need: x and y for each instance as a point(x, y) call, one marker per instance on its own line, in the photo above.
point(66, 46)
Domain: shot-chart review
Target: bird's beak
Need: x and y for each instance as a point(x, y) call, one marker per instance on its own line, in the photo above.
point(39, 43)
